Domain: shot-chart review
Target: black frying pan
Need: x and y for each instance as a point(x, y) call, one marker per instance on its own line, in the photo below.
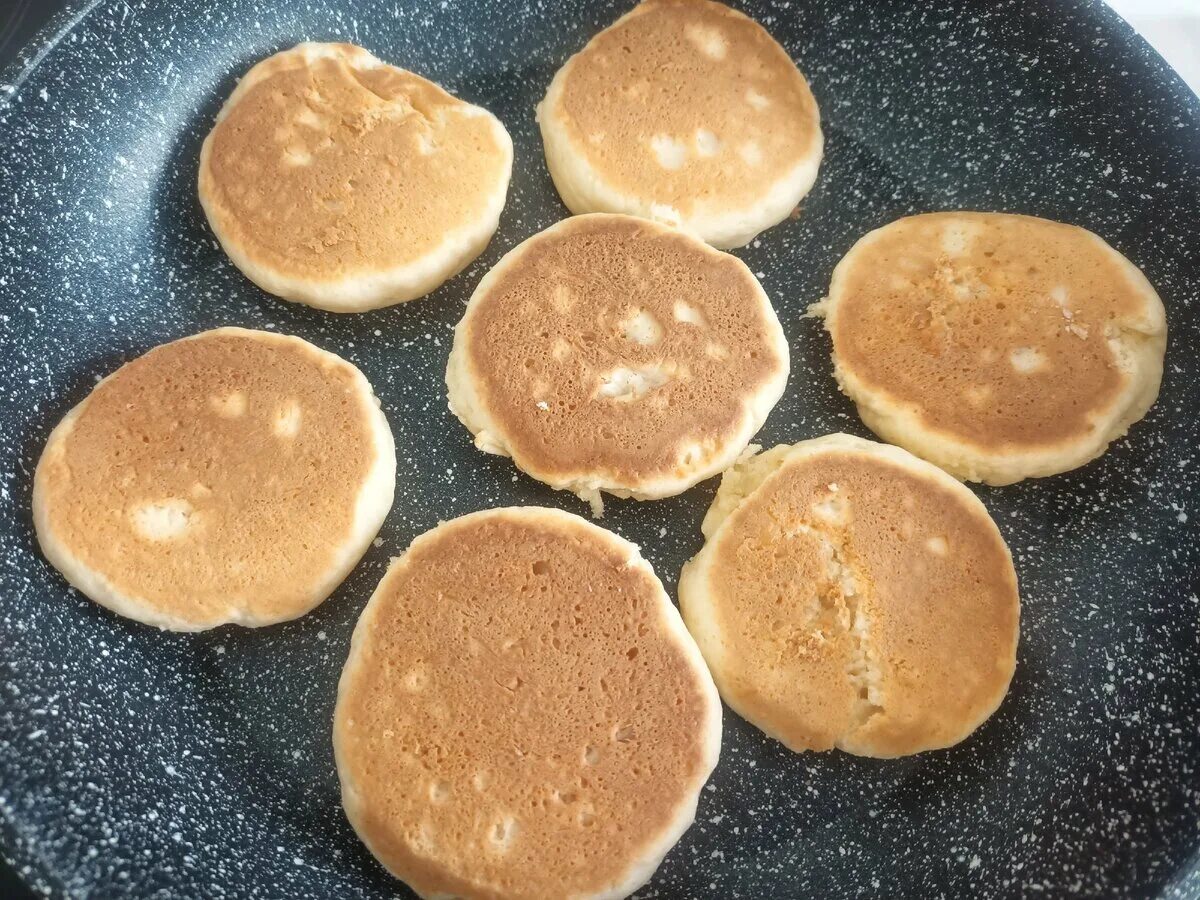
point(134, 762)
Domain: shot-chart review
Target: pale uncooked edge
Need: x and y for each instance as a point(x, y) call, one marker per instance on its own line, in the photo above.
point(468, 406)
point(367, 291)
point(583, 190)
point(641, 870)
point(1142, 343)
point(741, 483)
point(371, 508)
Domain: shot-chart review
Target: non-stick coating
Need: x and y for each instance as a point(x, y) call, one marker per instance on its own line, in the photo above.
point(200, 765)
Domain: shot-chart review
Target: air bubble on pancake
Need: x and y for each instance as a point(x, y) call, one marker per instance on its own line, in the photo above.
point(415, 679)
point(1121, 353)
point(562, 298)
point(200, 490)
point(307, 117)
point(422, 841)
point(1058, 294)
point(596, 137)
point(978, 395)
point(709, 41)
point(586, 818)
point(625, 384)
point(230, 406)
point(561, 350)
point(503, 833)
point(685, 312)
point(832, 508)
point(287, 420)
point(294, 156)
point(750, 152)
point(480, 780)
point(757, 100)
point(664, 212)
point(426, 145)
point(624, 734)
point(642, 328)
point(591, 755)
point(439, 791)
point(164, 520)
point(715, 351)
point(956, 238)
point(937, 545)
point(670, 153)
point(707, 143)
point(1026, 360)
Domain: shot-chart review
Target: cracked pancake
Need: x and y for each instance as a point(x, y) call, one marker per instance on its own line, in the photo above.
point(232, 476)
point(523, 713)
point(686, 112)
point(851, 595)
point(999, 347)
point(336, 180)
point(610, 353)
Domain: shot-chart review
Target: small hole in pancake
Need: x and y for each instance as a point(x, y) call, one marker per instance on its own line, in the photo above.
point(632, 652)
point(586, 818)
point(541, 567)
point(591, 755)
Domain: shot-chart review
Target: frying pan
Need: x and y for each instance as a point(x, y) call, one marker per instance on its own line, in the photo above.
point(138, 762)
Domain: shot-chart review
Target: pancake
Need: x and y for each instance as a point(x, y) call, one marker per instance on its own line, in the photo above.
point(687, 112)
point(614, 354)
point(850, 595)
point(333, 179)
point(522, 713)
point(233, 476)
point(1000, 347)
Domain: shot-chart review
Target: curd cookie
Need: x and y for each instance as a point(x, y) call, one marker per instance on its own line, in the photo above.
point(999, 347)
point(522, 713)
point(336, 180)
point(851, 595)
point(233, 476)
point(610, 353)
point(687, 112)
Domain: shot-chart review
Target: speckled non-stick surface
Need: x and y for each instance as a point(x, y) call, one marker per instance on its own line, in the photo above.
point(136, 762)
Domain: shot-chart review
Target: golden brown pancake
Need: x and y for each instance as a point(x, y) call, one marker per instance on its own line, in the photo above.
point(687, 112)
point(850, 595)
point(338, 181)
point(522, 713)
point(614, 354)
point(999, 347)
point(233, 476)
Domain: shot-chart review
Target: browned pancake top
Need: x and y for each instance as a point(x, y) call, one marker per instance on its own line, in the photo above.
point(570, 316)
point(994, 327)
point(515, 717)
point(670, 69)
point(327, 167)
point(212, 473)
point(841, 534)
